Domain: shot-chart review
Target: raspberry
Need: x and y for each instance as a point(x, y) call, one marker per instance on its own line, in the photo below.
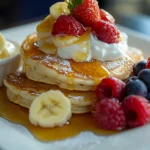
point(67, 25)
point(110, 115)
point(106, 16)
point(148, 63)
point(106, 32)
point(110, 87)
point(137, 110)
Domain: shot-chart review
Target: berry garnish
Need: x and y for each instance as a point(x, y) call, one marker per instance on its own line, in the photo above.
point(138, 67)
point(106, 32)
point(144, 75)
point(67, 25)
point(148, 63)
point(134, 86)
point(148, 97)
point(106, 16)
point(137, 110)
point(110, 87)
point(131, 79)
point(109, 114)
point(85, 11)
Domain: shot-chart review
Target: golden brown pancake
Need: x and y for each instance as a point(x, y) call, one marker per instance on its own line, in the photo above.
point(69, 74)
point(22, 91)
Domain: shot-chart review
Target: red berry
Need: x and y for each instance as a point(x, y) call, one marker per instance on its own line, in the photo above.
point(110, 87)
point(106, 16)
point(67, 25)
point(87, 12)
point(110, 115)
point(106, 32)
point(148, 63)
point(137, 110)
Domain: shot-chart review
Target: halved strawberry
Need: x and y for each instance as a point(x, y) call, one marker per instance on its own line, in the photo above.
point(106, 16)
point(67, 25)
point(85, 11)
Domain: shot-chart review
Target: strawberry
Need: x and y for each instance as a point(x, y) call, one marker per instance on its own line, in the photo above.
point(106, 16)
point(106, 32)
point(67, 25)
point(85, 11)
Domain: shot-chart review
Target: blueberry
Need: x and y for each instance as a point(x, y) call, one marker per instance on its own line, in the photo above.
point(135, 87)
point(148, 96)
point(131, 78)
point(138, 67)
point(144, 76)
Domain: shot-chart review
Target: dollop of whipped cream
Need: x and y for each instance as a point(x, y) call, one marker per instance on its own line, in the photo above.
point(94, 49)
point(7, 48)
point(103, 51)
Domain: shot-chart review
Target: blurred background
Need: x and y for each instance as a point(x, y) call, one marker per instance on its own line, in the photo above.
point(134, 14)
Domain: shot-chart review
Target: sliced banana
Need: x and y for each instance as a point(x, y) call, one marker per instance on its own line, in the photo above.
point(46, 45)
point(59, 9)
point(45, 27)
point(63, 41)
point(50, 109)
point(2, 42)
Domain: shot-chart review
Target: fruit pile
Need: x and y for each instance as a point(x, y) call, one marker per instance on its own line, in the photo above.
point(83, 14)
point(124, 104)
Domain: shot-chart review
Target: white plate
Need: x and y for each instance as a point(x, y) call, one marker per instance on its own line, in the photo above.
point(16, 137)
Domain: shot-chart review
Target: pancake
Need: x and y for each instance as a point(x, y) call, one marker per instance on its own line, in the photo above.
point(68, 74)
point(22, 91)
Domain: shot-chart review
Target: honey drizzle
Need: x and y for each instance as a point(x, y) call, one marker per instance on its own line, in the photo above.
point(77, 124)
point(90, 70)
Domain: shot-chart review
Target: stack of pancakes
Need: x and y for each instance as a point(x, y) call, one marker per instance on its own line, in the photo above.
point(78, 81)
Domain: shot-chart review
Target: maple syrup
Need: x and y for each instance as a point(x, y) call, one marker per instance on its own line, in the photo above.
point(77, 124)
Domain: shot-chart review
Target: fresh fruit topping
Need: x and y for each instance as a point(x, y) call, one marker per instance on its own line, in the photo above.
point(50, 109)
point(109, 114)
point(148, 63)
point(110, 87)
point(135, 86)
point(144, 75)
point(85, 11)
point(67, 25)
point(137, 110)
point(131, 79)
point(106, 16)
point(148, 97)
point(58, 9)
point(63, 41)
point(138, 67)
point(106, 32)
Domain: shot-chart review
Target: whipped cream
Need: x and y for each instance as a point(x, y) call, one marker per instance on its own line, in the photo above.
point(103, 51)
point(7, 48)
point(78, 52)
point(94, 48)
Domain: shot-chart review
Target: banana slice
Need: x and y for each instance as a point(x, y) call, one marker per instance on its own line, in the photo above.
point(50, 109)
point(2, 42)
point(63, 41)
point(46, 45)
point(59, 9)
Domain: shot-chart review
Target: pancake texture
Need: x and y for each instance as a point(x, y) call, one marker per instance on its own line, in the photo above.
point(70, 75)
point(23, 92)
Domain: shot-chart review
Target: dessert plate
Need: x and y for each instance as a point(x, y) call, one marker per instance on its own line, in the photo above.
point(16, 137)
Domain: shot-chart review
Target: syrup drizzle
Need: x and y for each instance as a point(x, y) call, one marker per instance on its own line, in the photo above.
point(77, 124)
